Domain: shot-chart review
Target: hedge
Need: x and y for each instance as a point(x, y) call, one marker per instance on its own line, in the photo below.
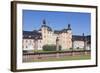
point(50, 48)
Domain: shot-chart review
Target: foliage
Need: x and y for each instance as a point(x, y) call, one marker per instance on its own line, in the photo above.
point(77, 47)
point(71, 48)
point(50, 48)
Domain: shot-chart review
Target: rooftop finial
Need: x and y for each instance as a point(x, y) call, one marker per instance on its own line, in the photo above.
point(69, 27)
point(44, 22)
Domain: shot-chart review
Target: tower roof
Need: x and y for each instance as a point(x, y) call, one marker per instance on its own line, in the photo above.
point(44, 25)
point(69, 28)
point(44, 21)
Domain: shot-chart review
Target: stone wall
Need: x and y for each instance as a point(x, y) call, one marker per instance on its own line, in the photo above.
point(29, 57)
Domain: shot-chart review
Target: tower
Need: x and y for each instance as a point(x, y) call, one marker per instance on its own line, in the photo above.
point(69, 38)
point(44, 30)
point(69, 30)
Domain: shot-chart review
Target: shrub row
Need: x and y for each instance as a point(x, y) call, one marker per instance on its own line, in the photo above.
point(50, 48)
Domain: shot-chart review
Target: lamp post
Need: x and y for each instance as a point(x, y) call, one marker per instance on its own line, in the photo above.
point(57, 46)
point(72, 47)
point(35, 43)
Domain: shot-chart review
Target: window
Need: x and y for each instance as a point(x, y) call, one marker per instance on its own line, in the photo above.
point(44, 36)
point(26, 41)
point(26, 46)
point(30, 41)
point(40, 46)
point(44, 30)
point(40, 41)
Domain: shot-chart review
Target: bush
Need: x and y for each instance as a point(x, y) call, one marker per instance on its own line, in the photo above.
point(71, 48)
point(77, 47)
point(50, 48)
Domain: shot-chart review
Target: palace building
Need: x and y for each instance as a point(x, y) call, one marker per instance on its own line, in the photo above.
point(36, 39)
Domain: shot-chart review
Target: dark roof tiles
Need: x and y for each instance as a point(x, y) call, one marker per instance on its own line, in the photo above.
point(32, 34)
point(81, 38)
point(48, 28)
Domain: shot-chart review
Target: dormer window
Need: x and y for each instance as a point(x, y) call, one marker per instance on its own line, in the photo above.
point(29, 36)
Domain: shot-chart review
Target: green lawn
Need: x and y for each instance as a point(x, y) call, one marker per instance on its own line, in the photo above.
point(41, 51)
point(81, 57)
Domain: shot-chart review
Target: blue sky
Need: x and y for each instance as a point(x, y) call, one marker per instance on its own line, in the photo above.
point(80, 22)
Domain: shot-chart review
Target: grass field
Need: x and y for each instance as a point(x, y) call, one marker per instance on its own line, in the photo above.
point(67, 58)
point(41, 51)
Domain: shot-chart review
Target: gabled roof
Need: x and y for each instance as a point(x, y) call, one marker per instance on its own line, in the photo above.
point(32, 35)
point(57, 32)
point(64, 30)
point(81, 38)
point(77, 38)
point(61, 31)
